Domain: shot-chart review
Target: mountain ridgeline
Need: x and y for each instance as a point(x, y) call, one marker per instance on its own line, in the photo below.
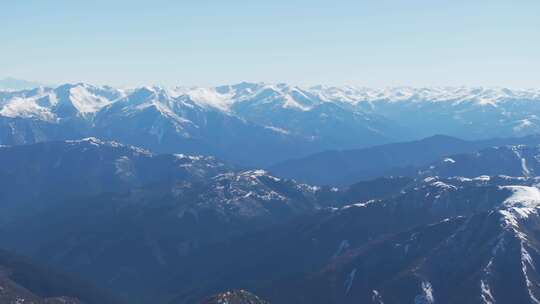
point(256, 124)
point(398, 159)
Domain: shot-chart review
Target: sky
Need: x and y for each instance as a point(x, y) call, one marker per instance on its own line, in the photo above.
point(375, 43)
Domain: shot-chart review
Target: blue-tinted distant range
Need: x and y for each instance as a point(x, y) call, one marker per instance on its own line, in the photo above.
point(14, 84)
point(208, 43)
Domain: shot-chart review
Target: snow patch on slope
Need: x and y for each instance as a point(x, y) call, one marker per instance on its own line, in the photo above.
point(376, 297)
point(350, 280)
point(524, 169)
point(206, 97)
point(487, 297)
point(526, 263)
point(85, 101)
point(449, 160)
point(523, 202)
point(26, 108)
point(427, 294)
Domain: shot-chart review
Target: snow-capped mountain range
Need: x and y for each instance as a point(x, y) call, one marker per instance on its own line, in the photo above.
point(91, 98)
point(243, 122)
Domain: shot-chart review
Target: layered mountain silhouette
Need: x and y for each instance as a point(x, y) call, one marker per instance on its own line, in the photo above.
point(462, 228)
point(129, 214)
point(397, 159)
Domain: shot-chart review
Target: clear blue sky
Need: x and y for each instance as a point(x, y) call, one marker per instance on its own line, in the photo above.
point(370, 43)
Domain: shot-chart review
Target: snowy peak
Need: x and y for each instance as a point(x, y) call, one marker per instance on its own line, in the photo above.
point(455, 95)
point(522, 196)
point(85, 98)
point(254, 94)
point(89, 99)
point(211, 98)
point(68, 100)
point(281, 96)
point(523, 202)
point(81, 99)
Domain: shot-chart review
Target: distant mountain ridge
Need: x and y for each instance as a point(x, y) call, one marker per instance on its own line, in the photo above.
point(512, 160)
point(404, 158)
point(243, 122)
point(14, 84)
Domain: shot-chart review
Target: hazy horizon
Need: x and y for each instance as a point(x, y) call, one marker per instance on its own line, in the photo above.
point(208, 43)
point(38, 83)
